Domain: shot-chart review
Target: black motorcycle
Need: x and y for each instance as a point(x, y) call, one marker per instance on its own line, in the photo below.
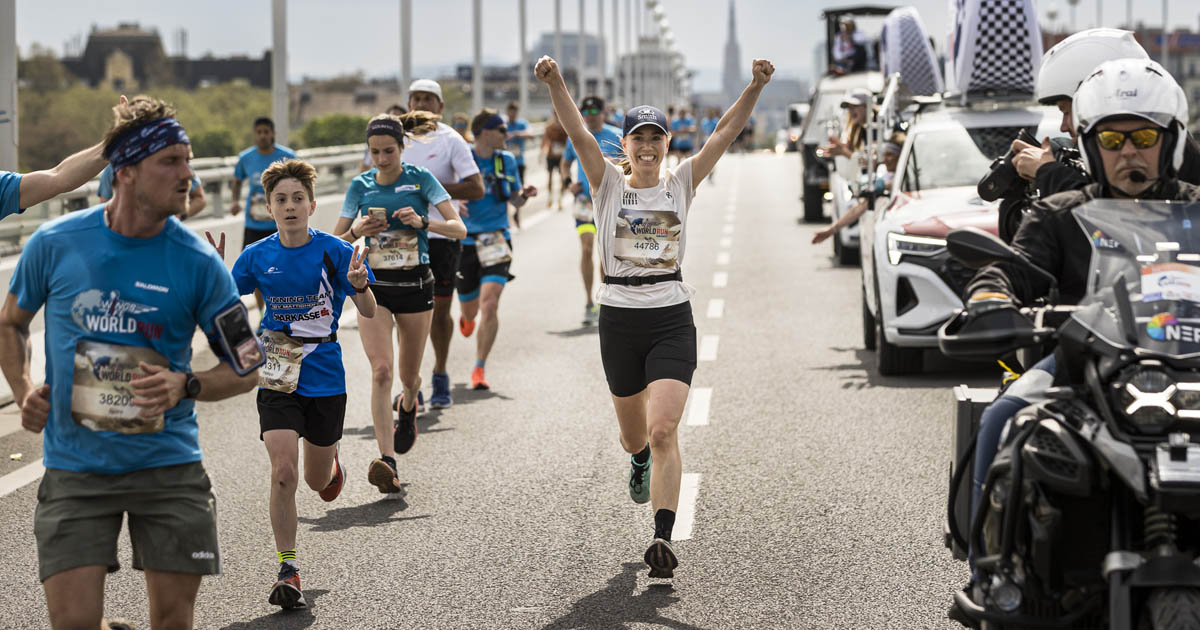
point(1090, 513)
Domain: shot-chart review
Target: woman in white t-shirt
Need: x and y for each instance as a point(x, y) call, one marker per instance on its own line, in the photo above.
point(647, 337)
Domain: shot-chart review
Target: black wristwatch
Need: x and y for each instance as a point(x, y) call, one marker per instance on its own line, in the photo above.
point(191, 386)
point(425, 223)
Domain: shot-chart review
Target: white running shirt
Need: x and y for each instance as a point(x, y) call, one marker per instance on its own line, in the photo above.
point(640, 232)
point(445, 154)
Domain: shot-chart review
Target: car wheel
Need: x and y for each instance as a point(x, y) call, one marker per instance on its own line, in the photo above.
point(893, 360)
point(814, 204)
point(846, 256)
point(868, 323)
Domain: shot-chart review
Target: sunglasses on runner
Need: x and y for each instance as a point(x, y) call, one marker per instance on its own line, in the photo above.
point(1142, 138)
point(591, 112)
point(501, 129)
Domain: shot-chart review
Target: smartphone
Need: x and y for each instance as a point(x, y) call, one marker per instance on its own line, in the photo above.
point(379, 213)
point(241, 346)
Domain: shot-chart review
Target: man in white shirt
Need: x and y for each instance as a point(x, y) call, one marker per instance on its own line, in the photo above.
point(448, 157)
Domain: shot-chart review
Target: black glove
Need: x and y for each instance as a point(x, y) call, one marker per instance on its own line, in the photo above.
point(985, 301)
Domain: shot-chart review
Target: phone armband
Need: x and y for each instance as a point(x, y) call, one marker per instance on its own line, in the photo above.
point(238, 341)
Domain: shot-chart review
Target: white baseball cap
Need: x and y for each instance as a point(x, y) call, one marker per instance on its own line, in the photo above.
point(426, 85)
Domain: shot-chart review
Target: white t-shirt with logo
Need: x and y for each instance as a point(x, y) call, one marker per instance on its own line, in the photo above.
point(641, 233)
point(445, 154)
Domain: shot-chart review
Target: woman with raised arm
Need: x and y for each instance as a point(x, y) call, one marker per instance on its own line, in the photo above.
point(647, 337)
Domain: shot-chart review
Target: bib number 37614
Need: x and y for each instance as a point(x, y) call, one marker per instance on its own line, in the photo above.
point(101, 390)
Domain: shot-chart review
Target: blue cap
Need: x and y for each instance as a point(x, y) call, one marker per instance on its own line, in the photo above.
point(645, 115)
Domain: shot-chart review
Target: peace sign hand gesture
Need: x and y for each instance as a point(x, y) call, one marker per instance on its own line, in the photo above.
point(357, 275)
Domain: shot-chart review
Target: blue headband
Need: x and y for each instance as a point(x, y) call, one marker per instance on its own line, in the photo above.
point(140, 143)
point(493, 122)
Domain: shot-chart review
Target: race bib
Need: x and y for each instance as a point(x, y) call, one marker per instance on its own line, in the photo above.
point(101, 393)
point(258, 208)
point(557, 148)
point(583, 208)
point(281, 372)
point(394, 249)
point(492, 248)
point(648, 239)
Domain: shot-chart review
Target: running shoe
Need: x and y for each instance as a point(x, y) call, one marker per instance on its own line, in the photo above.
point(639, 480)
point(406, 429)
point(420, 402)
point(286, 593)
point(660, 557)
point(591, 315)
point(383, 475)
point(466, 326)
point(477, 379)
point(441, 391)
point(331, 491)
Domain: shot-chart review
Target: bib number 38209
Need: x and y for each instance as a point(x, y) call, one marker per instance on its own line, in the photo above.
point(101, 390)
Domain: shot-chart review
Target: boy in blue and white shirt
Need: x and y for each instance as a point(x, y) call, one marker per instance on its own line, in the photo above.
point(305, 276)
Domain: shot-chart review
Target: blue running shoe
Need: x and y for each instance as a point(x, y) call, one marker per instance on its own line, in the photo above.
point(441, 391)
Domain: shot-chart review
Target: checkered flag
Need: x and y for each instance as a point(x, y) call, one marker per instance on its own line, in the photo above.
point(907, 51)
point(1007, 47)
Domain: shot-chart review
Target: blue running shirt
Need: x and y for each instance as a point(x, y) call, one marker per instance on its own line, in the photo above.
point(250, 165)
point(415, 188)
point(10, 194)
point(609, 138)
point(516, 146)
point(146, 294)
point(305, 288)
point(490, 213)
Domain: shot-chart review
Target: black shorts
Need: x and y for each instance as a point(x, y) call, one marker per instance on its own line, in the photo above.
point(521, 172)
point(552, 164)
point(641, 345)
point(471, 275)
point(317, 419)
point(443, 260)
point(417, 297)
point(251, 236)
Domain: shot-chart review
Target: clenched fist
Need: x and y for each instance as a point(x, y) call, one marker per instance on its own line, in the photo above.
point(762, 71)
point(546, 70)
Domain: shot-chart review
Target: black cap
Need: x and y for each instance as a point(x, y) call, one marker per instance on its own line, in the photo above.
point(592, 102)
point(644, 115)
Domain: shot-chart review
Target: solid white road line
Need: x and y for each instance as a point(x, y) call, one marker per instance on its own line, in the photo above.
point(726, 242)
point(689, 488)
point(21, 477)
point(708, 347)
point(698, 404)
point(720, 279)
point(722, 258)
point(716, 308)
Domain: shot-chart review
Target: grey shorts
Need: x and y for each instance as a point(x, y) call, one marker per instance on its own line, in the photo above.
point(172, 520)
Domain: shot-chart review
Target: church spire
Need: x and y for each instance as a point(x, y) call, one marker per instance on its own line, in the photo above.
point(731, 79)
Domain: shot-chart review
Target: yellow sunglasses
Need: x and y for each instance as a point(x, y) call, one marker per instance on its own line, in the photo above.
point(1141, 138)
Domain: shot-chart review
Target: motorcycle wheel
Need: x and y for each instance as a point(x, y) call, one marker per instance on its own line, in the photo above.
point(1171, 609)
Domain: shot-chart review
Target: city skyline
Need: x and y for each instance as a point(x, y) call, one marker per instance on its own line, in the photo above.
point(783, 32)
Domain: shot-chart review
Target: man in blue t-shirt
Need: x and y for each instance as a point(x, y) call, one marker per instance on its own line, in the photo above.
point(305, 276)
point(124, 286)
point(609, 138)
point(518, 133)
point(683, 131)
point(250, 166)
point(196, 201)
point(18, 191)
point(487, 250)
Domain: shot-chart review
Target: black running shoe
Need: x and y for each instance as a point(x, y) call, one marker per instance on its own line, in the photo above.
point(661, 559)
point(383, 475)
point(286, 593)
point(406, 429)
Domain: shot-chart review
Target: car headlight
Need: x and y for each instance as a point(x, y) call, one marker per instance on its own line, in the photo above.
point(901, 245)
point(1152, 399)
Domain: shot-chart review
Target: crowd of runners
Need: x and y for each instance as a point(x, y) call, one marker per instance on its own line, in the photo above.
point(428, 216)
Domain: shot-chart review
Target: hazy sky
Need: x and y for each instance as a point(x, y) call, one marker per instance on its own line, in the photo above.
point(327, 38)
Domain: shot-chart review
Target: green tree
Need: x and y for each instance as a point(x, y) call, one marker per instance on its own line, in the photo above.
point(43, 72)
point(332, 130)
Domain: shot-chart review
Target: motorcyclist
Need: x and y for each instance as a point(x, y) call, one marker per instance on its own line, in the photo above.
point(1130, 116)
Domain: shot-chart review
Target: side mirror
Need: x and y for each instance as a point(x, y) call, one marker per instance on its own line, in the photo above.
point(975, 248)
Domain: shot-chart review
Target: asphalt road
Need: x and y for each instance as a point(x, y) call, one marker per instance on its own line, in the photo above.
point(819, 485)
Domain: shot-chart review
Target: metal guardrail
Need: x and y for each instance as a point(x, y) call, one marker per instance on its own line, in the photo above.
point(335, 165)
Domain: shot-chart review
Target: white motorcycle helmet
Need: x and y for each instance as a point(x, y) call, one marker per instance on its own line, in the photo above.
point(1137, 88)
point(1066, 64)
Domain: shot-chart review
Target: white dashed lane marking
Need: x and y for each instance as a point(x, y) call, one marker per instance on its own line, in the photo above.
point(722, 258)
point(689, 487)
point(697, 408)
point(21, 477)
point(727, 229)
point(726, 242)
point(716, 308)
point(708, 347)
point(720, 279)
